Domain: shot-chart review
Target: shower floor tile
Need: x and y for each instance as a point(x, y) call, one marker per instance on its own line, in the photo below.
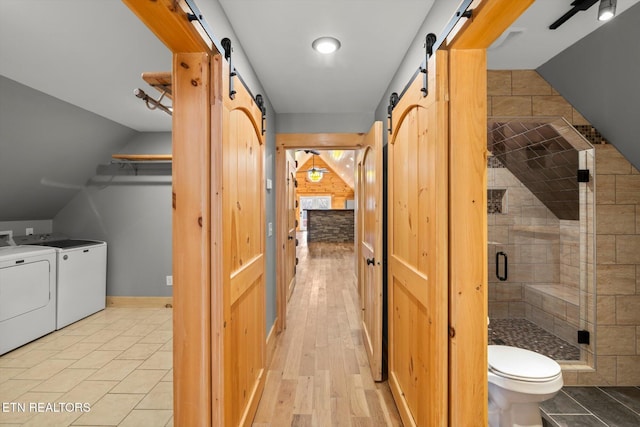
point(522, 333)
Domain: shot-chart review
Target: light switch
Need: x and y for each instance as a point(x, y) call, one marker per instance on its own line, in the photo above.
point(270, 229)
point(269, 184)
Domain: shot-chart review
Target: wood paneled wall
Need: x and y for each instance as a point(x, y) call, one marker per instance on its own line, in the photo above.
point(330, 185)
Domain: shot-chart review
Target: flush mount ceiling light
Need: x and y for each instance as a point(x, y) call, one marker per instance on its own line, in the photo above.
point(607, 9)
point(326, 45)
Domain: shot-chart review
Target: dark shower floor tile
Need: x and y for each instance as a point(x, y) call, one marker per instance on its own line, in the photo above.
point(525, 334)
point(593, 406)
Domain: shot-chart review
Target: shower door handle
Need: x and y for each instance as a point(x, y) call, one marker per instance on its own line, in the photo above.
point(498, 255)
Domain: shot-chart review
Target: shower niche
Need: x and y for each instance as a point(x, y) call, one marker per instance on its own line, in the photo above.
point(540, 236)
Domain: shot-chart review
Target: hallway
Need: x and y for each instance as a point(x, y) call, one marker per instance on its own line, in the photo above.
point(320, 374)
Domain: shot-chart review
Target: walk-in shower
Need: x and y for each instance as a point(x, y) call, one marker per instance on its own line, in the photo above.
point(541, 236)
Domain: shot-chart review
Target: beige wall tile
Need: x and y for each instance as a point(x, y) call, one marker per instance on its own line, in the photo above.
point(573, 314)
point(532, 297)
point(528, 82)
point(578, 119)
point(566, 331)
point(628, 370)
point(604, 375)
point(628, 249)
point(554, 306)
point(606, 189)
point(541, 318)
point(628, 310)
point(569, 378)
point(616, 279)
point(615, 219)
point(627, 189)
point(498, 310)
point(517, 310)
point(606, 249)
point(606, 310)
point(609, 161)
point(508, 292)
point(511, 106)
point(498, 82)
point(551, 106)
point(616, 340)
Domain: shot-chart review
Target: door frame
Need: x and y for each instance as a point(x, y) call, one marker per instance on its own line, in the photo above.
point(293, 141)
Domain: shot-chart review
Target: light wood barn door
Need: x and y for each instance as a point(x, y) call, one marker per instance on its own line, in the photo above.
point(417, 250)
point(244, 257)
point(370, 246)
point(290, 278)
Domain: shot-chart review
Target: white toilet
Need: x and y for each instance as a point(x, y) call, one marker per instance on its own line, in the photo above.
point(518, 381)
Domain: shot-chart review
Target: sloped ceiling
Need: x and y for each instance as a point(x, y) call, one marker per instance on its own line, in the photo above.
point(49, 149)
point(599, 76)
point(341, 161)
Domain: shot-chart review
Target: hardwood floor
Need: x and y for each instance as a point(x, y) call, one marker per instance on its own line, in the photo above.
point(320, 374)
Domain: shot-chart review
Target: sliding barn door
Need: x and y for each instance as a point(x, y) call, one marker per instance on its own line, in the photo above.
point(417, 250)
point(243, 256)
point(290, 274)
point(370, 245)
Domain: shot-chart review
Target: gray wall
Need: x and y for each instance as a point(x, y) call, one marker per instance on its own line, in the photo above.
point(319, 123)
point(131, 210)
point(19, 227)
point(48, 150)
point(441, 12)
point(599, 76)
point(217, 19)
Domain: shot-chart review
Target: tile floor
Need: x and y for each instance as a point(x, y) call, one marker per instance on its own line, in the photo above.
point(593, 407)
point(112, 368)
point(118, 364)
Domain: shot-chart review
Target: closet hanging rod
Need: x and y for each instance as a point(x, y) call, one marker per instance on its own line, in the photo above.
point(152, 103)
point(141, 158)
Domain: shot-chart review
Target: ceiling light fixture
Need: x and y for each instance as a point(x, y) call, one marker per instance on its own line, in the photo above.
point(607, 9)
point(326, 45)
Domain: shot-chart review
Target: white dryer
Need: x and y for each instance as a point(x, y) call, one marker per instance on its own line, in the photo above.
point(81, 275)
point(27, 295)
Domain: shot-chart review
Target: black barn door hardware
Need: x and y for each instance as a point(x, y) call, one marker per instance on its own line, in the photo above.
point(226, 44)
point(433, 45)
point(393, 101)
point(196, 15)
point(263, 110)
point(504, 255)
point(430, 40)
point(371, 261)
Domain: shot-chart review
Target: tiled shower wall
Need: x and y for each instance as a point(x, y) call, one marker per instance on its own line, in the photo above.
point(542, 283)
point(617, 270)
point(616, 337)
point(528, 232)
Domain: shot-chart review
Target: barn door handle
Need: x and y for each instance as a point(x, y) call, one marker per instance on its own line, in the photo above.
point(498, 255)
point(371, 261)
point(290, 237)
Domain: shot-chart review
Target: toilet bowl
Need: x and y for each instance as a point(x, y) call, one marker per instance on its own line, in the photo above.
point(518, 381)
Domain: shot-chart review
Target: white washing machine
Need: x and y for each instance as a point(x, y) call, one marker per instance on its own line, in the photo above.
point(81, 275)
point(27, 295)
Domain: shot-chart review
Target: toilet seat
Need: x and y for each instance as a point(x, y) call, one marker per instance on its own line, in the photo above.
point(522, 365)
